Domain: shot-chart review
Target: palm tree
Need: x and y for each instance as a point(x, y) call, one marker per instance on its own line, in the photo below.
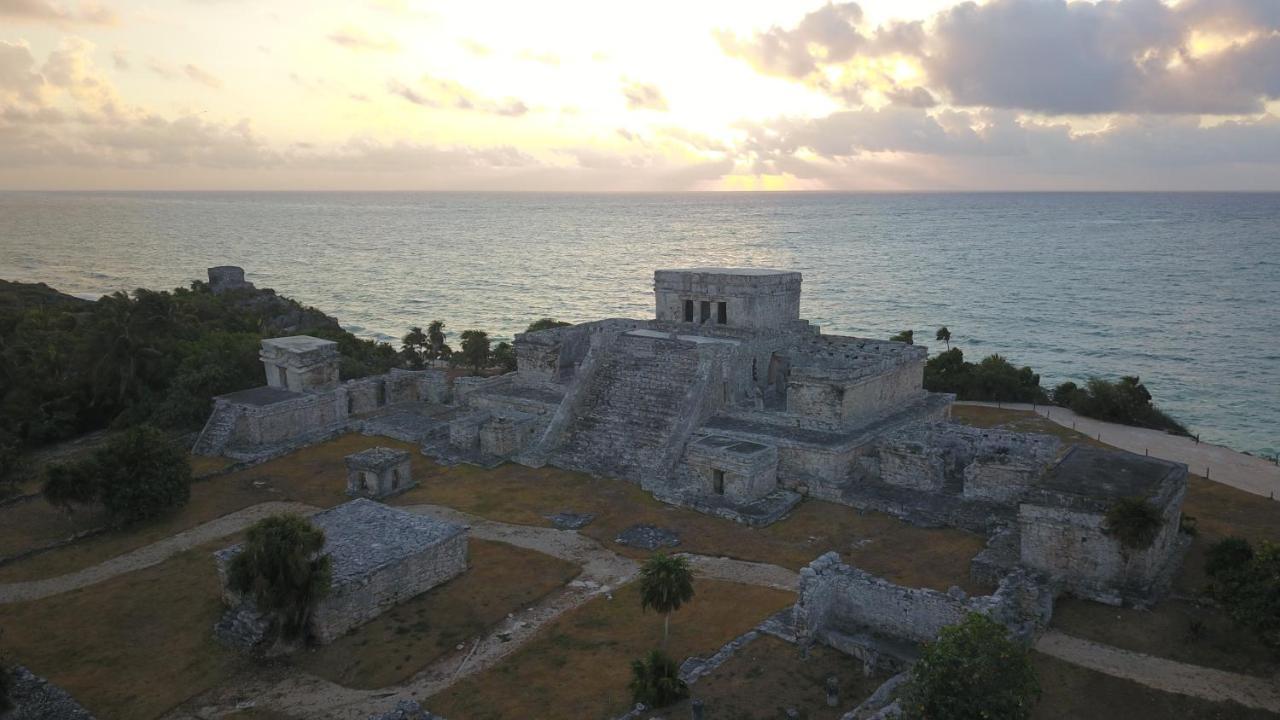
point(436, 347)
point(944, 335)
point(412, 345)
point(666, 583)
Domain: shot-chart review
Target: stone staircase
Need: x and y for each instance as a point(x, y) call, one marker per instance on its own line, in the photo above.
point(217, 431)
point(630, 417)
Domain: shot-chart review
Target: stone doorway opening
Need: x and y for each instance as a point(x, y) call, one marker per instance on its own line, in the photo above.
point(717, 482)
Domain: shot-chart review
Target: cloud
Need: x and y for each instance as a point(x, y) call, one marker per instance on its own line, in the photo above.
point(18, 77)
point(201, 76)
point(1045, 56)
point(89, 13)
point(120, 60)
point(434, 92)
point(643, 96)
point(545, 58)
point(356, 39)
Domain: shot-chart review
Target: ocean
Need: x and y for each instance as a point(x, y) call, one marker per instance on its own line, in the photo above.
point(1182, 290)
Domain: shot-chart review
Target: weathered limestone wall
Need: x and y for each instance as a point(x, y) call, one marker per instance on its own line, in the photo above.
point(284, 422)
point(753, 299)
point(841, 600)
point(978, 464)
point(300, 363)
point(350, 605)
point(747, 471)
point(843, 401)
point(552, 356)
point(507, 436)
point(1073, 547)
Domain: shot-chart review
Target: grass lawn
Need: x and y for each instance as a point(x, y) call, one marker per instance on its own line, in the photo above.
point(1018, 421)
point(768, 676)
point(390, 649)
point(879, 543)
point(131, 647)
point(580, 665)
point(1071, 692)
point(315, 475)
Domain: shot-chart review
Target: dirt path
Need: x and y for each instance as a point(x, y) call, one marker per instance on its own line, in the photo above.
point(1161, 674)
point(1221, 464)
point(148, 555)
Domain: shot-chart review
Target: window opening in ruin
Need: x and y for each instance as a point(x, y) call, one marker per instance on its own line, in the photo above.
point(351, 403)
point(283, 375)
point(364, 481)
point(717, 482)
point(722, 313)
point(395, 478)
point(382, 393)
point(688, 311)
point(706, 311)
point(754, 375)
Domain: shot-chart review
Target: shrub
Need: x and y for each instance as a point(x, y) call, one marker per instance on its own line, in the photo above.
point(906, 336)
point(655, 681)
point(1247, 582)
point(280, 567)
point(973, 670)
point(1126, 401)
point(137, 475)
point(545, 324)
point(992, 379)
point(1134, 522)
point(1227, 556)
point(504, 357)
point(475, 350)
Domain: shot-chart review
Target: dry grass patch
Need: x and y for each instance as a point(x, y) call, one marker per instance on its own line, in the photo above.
point(580, 665)
point(1019, 421)
point(390, 649)
point(131, 647)
point(769, 675)
point(1070, 691)
point(936, 558)
point(314, 475)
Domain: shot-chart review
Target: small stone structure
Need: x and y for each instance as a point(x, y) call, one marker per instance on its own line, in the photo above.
point(1062, 522)
point(883, 624)
point(381, 556)
point(226, 278)
point(300, 363)
point(35, 698)
point(378, 473)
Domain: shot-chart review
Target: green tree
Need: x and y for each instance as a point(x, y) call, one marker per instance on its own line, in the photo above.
point(545, 324)
point(1134, 522)
point(437, 348)
point(1246, 580)
point(413, 346)
point(1227, 556)
point(282, 569)
point(504, 356)
point(973, 670)
point(906, 336)
point(138, 475)
point(475, 350)
point(655, 681)
point(943, 335)
point(666, 583)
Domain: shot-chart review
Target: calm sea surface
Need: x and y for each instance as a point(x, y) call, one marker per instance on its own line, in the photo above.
point(1183, 290)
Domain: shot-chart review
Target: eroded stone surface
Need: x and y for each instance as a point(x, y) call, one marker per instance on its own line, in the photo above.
point(647, 537)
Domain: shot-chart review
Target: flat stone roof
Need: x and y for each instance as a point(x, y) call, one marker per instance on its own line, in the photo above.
point(376, 458)
point(1102, 474)
point(732, 445)
point(260, 396)
point(363, 536)
point(299, 343)
point(746, 272)
point(697, 339)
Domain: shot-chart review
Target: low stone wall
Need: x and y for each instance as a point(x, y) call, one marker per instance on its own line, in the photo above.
point(838, 600)
point(35, 698)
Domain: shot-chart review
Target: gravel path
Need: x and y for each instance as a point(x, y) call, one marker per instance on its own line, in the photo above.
point(1221, 464)
point(149, 555)
point(1161, 674)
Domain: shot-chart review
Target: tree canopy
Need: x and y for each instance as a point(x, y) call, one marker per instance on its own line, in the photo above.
point(545, 324)
point(655, 681)
point(1246, 580)
point(994, 378)
point(973, 670)
point(1126, 401)
point(281, 568)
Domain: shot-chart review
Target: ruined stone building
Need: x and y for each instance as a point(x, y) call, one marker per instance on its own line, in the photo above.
point(381, 556)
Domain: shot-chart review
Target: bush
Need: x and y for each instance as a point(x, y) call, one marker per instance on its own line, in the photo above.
point(655, 681)
point(1126, 401)
point(906, 336)
point(1134, 522)
point(138, 475)
point(973, 670)
point(280, 567)
point(1247, 582)
point(504, 357)
point(475, 350)
point(545, 324)
point(992, 379)
point(1227, 556)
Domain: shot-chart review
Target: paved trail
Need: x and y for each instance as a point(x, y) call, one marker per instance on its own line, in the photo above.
point(1221, 464)
point(1162, 674)
point(149, 555)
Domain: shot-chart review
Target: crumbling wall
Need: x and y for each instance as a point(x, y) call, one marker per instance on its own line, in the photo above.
point(978, 463)
point(838, 601)
point(284, 422)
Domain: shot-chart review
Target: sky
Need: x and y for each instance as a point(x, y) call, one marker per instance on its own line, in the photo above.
point(880, 95)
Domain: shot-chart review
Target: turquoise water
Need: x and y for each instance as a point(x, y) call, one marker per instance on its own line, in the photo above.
point(1181, 289)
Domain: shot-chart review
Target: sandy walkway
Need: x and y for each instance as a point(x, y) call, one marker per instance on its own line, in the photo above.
point(1221, 464)
point(1161, 674)
point(149, 555)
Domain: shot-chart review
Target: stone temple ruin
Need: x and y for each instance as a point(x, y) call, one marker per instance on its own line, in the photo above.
point(379, 473)
point(729, 403)
point(381, 556)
